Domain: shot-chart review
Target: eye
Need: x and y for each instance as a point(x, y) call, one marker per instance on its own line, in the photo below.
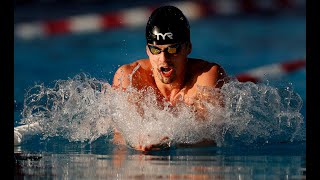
point(154, 50)
point(172, 50)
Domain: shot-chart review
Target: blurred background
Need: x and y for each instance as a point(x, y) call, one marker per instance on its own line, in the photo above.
point(29, 10)
point(57, 39)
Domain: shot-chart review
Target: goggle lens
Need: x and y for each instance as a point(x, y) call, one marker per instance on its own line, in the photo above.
point(154, 50)
point(174, 49)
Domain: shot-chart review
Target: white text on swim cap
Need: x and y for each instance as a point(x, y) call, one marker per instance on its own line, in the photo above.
point(169, 34)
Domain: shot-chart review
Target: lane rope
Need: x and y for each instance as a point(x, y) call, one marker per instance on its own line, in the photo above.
point(138, 16)
point(271, 71)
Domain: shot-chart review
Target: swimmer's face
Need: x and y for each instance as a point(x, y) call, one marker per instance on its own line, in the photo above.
point(168, 61)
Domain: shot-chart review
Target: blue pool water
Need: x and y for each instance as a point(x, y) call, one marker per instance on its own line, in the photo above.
point(257, 151)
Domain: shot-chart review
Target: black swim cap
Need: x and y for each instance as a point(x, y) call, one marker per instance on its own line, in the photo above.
point(167, 25)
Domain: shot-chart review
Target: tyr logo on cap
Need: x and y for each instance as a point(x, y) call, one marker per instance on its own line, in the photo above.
point(168, 34)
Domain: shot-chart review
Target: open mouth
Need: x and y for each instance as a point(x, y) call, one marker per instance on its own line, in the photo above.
point(166, 71)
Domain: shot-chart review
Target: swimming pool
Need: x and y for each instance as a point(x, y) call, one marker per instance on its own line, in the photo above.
point(237, 43)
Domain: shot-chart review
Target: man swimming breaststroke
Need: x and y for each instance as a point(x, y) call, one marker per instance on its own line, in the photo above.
point(174, 77)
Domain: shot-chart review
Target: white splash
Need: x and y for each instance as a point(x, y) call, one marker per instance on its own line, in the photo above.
point(84, 109)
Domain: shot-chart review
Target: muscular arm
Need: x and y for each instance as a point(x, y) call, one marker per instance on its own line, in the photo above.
point(128, 76)
point(200, 88)
point(121, 80)
point(212, 76)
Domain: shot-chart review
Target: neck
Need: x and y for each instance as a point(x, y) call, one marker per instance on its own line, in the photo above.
point(169, 91)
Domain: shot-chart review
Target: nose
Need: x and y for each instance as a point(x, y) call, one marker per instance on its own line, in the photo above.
point(164, 57)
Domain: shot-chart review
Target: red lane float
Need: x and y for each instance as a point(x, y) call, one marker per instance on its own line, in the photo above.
point(271, 71)
point(138, 16)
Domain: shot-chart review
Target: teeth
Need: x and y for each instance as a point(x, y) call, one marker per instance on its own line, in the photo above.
point(165, 69)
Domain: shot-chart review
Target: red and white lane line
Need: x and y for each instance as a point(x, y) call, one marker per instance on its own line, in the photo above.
point(138, 16)
point(271, 71)
point(133, 17)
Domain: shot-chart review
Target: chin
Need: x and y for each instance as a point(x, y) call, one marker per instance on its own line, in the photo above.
point(167, 80)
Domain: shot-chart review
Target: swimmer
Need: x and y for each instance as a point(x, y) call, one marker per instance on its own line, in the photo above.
point(168, 70)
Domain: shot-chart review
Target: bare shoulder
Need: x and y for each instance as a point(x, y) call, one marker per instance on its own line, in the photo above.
point(206, 73)
point(204, 66)
point(126, 68)
point(125, 72)
point(144, 63)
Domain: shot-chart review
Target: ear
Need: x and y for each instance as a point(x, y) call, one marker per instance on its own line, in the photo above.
point(147, 50)
point(188, 47)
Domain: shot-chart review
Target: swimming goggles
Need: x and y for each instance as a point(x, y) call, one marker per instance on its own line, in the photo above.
point(173, 49)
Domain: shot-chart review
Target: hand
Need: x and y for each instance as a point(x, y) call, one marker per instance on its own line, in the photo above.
point(164, 144)
point(118, 138)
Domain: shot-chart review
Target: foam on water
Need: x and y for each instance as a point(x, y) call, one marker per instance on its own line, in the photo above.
point(83, 109)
